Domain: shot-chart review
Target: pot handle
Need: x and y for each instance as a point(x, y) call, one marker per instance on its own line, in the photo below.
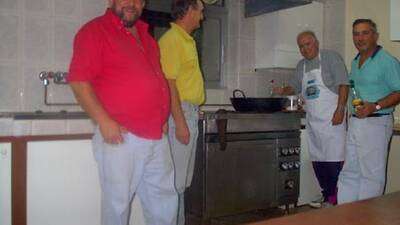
point(238, 91)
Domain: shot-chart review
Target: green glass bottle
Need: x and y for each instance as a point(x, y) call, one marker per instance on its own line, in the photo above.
point(357, 101)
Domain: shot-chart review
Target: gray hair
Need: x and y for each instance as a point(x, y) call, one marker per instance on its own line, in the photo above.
point(370, 22)
point(307, 32)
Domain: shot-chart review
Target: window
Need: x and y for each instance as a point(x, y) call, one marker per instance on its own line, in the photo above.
point(210, 39)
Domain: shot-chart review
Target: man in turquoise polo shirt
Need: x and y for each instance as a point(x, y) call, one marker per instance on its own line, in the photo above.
point(376, 77)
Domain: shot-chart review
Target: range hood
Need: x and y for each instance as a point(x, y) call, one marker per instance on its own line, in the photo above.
point(258, 7)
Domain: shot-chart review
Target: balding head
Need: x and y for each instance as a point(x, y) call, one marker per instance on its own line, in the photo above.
point(308, 44)
point(307, 33)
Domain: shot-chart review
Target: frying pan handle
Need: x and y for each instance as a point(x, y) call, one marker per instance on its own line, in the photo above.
point(238, 91)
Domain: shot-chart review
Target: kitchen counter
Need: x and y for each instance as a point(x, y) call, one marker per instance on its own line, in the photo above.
point(382, 210)
point(44, 123)
point(47, 131)
point(396, 129)
point(76, 122)
point(40, 115)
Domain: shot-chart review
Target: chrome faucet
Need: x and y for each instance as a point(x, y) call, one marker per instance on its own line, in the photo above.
point(58, 77)
point(44, 77)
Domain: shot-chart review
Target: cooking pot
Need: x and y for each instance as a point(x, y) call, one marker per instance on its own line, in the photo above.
point(263, 105)
point(292, 103)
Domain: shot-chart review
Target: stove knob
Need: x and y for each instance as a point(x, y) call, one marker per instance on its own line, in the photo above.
point(284, 151)
point(297, 165)
point(284, 166)
point(290, 165)
point(297, 150)
point(291, 151)
point(289, 184)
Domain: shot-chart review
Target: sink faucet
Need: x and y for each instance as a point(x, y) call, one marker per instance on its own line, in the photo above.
point(58, 77)
point(44, 77)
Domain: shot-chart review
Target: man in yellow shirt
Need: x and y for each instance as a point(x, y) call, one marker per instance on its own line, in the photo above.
point(180, 63)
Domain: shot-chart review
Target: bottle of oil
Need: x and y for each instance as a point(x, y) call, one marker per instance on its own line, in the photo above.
point(357, 101)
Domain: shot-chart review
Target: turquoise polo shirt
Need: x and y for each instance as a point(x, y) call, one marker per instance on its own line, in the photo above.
point(378, 77)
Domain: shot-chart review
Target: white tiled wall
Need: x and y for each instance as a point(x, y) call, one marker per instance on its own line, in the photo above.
point(241, 59)
point(241, 50)
point(35, 36)
point(334, 25)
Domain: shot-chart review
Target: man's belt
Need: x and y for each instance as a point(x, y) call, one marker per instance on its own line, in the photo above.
point(375, 115)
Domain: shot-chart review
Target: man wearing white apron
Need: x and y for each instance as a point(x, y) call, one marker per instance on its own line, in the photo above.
point(321, 78)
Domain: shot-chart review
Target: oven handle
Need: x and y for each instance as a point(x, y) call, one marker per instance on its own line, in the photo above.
point(221, 126)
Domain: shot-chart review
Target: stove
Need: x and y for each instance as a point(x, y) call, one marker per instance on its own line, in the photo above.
point(244, 162)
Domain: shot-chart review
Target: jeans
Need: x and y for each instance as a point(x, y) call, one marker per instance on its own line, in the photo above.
point(137, 166)
point(184, 155)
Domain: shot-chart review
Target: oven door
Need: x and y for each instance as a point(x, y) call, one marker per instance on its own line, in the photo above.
point(241, 178)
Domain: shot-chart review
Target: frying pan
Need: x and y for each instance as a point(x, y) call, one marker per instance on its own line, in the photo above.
point(261, 105)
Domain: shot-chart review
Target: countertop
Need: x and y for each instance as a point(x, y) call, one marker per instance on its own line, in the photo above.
point(382, 210)
point(40, 115)
point(396, 129)
point(62, 122)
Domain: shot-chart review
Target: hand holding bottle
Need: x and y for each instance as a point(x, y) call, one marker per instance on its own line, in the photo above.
point(357, 102)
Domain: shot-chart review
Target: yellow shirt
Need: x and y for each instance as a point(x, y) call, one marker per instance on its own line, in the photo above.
point(180, 62)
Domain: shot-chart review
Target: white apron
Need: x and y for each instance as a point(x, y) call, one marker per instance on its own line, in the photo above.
point(325, 142)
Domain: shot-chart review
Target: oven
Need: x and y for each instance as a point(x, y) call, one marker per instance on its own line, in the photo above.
point(244, 162)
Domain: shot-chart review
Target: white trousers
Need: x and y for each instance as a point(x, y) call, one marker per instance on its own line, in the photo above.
point(364, 171)
point(138, 166)
point(184, 155)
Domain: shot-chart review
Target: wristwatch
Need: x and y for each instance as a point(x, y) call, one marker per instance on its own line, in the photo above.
point(377, 106)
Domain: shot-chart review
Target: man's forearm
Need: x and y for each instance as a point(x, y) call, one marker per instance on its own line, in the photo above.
point(391, 100)
point(342, 99)
point(87, 99)
point(176, 108)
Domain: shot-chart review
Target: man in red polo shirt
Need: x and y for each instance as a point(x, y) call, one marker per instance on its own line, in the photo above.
point(116, 76)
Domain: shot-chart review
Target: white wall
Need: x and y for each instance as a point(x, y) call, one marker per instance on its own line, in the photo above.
point(37, 35)
point(240, 62)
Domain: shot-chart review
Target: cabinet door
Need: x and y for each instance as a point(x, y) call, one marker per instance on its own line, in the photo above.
point(63, 185)
point(5, 183)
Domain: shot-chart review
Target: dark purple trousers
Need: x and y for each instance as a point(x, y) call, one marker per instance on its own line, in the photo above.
point(327, 174)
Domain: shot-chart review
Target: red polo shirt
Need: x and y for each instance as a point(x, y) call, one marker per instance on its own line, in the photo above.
point(126, 78)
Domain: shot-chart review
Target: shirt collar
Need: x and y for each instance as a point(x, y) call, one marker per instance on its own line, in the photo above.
point(181, 31)
point(377, 49)
point(140, 25)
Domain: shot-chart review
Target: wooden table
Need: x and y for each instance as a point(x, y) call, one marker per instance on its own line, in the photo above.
point(384, 210)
